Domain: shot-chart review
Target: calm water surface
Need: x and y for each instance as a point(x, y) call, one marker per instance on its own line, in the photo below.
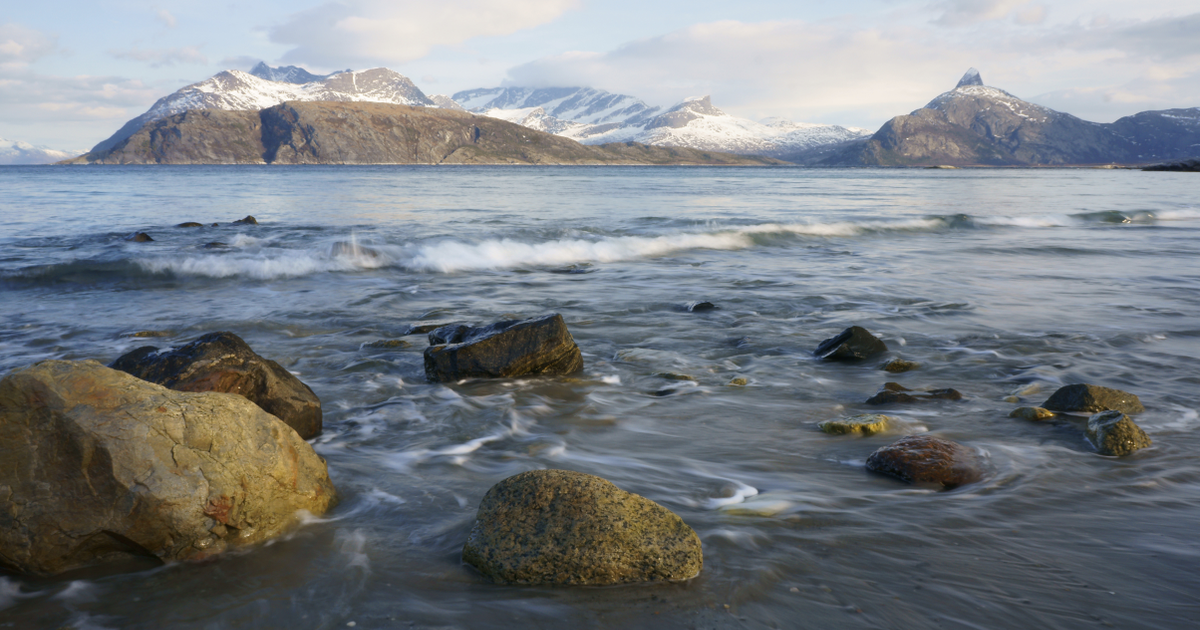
point(1004, 283)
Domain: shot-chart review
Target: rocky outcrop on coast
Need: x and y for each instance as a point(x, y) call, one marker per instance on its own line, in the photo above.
point(100, 467)
point(320, 132)
point(564, 527)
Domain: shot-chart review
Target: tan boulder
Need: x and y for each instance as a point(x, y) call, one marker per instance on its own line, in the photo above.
point(98, 465)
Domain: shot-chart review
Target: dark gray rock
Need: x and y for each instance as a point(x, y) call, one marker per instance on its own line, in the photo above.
point(895, 393)
point(564, 527)
point(248, 220)
point(537, 346)
point(1092, 399)
point(190, 224)
point(853, 344)
point(928, 459)
point(139, 237)
point(222, 362)
point(699, 307)
point(1187, 166)
point(1114, 433)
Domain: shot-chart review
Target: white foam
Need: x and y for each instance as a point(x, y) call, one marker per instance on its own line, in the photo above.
point(1178, 215)
point(741, 492)
point(261, 266)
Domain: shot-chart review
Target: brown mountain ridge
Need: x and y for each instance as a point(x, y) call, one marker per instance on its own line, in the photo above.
point(324, 132)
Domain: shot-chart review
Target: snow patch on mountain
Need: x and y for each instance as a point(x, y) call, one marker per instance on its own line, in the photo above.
point(20, 152)
point(289, 74)
point(593, 116)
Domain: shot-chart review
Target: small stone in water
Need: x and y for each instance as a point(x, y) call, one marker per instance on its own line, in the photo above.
point(1031, 413)
point(1011, 399)
point(1114, 433)
point(697, 307)
point(895, 366)
point(864, 424)
point(675, 376)
point(738, 381)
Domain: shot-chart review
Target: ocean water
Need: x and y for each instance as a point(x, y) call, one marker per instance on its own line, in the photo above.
point(1000, 283)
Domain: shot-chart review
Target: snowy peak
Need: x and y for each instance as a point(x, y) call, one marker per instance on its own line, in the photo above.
point(684, 113)
point(970, 78)
point(288, 74)
point(576, 104)
point(20, 152)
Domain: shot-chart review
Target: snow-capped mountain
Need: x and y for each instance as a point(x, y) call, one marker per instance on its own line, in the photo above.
point(237, 90)
point(18, 152)
point(289, 74)
point(594, 116)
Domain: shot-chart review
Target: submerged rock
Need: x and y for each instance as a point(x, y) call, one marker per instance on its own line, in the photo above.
point(100, 467)
point(139, 237)
point(1092, 399)
point(699, 307)
point(216, 245)
point(1035, 414)
point(738, 381)
point(893, 393)
point(927, 459)
point(853, 344)
point(1114, 433)
point(564, 527)
point(541, 345)
point(190, 224)
point(862, 424)
point(387, 343)
point(896, 366)
point(675, 376)
point(248, 220)
point(222, 362)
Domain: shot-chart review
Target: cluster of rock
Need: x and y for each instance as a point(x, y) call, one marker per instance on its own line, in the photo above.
point(933, 460)
point(142, 237)
point(101, 466)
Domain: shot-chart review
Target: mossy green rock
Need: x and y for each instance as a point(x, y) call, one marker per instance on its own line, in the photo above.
point(864, 424)
point(1035, 414)
point(1113, 433)
point(1093, 399)
point(565, 527)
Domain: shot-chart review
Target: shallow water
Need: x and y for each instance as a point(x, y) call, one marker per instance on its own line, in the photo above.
point(998, 282)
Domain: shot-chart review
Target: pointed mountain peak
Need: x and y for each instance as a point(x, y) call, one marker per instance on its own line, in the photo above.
point(970, 78)
point(288, 74)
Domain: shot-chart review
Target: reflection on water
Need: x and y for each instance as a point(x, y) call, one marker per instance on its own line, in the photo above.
point(998, 283)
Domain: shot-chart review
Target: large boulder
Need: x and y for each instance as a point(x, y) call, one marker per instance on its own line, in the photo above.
point(564, 527)
point(98, 466)
point(222, 362)
point(1092, 399)
point(853, 344)
point(1113, 433)
point(541, 345)
point(927, 459)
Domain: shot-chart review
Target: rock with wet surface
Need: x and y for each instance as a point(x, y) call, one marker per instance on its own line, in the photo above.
point(565, 527)
point(1092, 399)
point(190, 224)
point(853, 344)
point(247, 220)
point(862, 424)
point(139, 237)
point(896, 366)
point(1114, 433)
point(100, 467)
point(699, 307)
point(1035, 414)
point(222, 362)
point(895, 393)
point(928, 459)
point(507, 349)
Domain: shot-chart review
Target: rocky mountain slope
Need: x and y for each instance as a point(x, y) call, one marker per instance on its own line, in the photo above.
point(595, 117)
point(18, 152)
point(329, 132)
point(974, 124)
point(235, 90)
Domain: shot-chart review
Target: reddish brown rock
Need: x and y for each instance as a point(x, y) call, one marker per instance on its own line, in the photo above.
point(222, 362)
point(927, 459)
point(508, 349)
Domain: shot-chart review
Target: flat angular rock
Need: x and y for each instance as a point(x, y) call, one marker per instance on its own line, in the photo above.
point(1035, 414)
point(1092, 399)
point(927, 459)
point(508, 349)
point(100, 467)
point(222, 362)
point(564, 527)
point(1114, 433)
point(862, 424)
point(853, 344)
point(895, 393)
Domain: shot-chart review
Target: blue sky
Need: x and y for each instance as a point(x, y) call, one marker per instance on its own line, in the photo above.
point(72, 72)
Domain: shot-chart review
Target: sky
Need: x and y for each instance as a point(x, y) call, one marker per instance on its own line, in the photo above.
point(72, 72)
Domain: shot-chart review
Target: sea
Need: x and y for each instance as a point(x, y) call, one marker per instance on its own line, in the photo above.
point(1004, 284)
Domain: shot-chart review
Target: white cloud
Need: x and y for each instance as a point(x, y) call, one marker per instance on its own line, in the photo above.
point(160, 57)
point(968, 12)
point(344, 32)
point(20, 46)
point(166, 18)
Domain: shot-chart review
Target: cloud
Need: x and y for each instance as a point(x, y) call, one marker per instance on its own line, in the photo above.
point(20, 46)
point(968, 12)
point(166, 18)
point(1162, 38)
point(160, 57)
point(344, 32)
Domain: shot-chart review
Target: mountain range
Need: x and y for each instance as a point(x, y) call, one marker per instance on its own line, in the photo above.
point(973, 124)
point(18, 152)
